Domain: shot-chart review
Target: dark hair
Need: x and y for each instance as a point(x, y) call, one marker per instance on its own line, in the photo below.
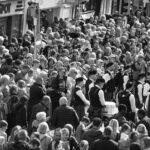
point(122, 107)
point(142, 112)
point(35, 141)
point(135, 146)
point(129, 85)
point(96, 122)
point(108, 131)
point(85, 119)
point(3, 123)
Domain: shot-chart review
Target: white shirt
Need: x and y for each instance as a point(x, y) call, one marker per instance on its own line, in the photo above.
point(140, 92)
point(146, 92)
point(106, 77)
point(125, 80)
point(91, 85)
point(82, 96)
point(101, 96)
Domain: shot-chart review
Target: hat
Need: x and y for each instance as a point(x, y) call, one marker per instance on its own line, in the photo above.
point(80, 79)
point(127, 67)
point(92, 72)
point(109, 64)
point(99, 80)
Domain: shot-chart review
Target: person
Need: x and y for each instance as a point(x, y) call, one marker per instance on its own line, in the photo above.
point(22, 142)
point(143, 119)
point(82, 127)
point(146, 93)
point(109, 82)
point(92, 75)
point(43, 106)
point(84, 145)
point(64, 114)
point(35, 144)
point(141, 129)
point(80, 101)
point(97, 99)
point(115, 127)
point(120, 116)
point(106, 142)
point(36, 94)
point(94, 133)
point(135, 146)
point(127, 98)
point(3, 128)
point(139, 91)
point(45, 138)
point(146, 143)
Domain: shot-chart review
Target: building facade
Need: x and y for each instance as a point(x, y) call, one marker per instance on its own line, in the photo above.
point(11, 17)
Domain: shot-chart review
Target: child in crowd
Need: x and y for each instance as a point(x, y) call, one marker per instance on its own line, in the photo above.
point(82, 127)
point(3, 128)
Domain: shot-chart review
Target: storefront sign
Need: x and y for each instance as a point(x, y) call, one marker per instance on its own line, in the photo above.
point(11, 8)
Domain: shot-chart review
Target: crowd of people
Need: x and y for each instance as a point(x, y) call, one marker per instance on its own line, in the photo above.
point(56, 98)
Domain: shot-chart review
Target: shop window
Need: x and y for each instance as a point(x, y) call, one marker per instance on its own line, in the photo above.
point(89, 6)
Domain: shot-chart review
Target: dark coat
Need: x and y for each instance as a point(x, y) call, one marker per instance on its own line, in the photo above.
point(36, 94)
point(104, 144)
point(91, 135)
point(64, 115)
point(21, 115)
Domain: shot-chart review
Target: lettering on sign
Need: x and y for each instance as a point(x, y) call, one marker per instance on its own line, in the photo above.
point(5, 8)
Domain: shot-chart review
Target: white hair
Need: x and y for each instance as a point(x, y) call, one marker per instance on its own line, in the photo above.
point(63, 101)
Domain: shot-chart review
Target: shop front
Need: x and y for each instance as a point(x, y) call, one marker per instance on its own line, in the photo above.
point(11, 18)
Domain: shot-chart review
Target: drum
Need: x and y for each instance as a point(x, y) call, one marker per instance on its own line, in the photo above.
point(110, 109)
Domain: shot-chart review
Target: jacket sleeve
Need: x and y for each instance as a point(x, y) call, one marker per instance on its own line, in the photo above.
point(76, 119)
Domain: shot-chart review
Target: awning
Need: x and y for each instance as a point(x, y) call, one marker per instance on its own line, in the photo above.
point(46, 4)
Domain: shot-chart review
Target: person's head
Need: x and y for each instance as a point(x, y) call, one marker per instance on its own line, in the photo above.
point(141, 114)
point(13, 90)
point(122, 109)
point(4, 80)
point(22, 135)
point(57, 134)
point(41, 116)
point(110, 66)
point(70, 128)
point(100, 82)
point(108, 131)
point(21, 84)
point(39, 80)
point(97, 122)
point(135, 146)
point(64, 134)
point(80, 81)
point(73, 72)
point(46, 100)
point(129, 86)
point(35, 143)
point(63, 101)
point(36, 63)
point(142, 77)
point(125, 128)
point(146, 142)
point(115, 125)
point(35, 135)
point(43, 128)
point(134, 136)
point(14, 133)
point(3, 125)
point(85, 120)
point(141, 129)
point(84, 145)
point(92, 74)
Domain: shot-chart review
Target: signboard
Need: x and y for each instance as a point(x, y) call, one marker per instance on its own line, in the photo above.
point(10, 8)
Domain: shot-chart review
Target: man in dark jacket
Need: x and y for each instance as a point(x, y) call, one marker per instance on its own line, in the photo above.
point(105, 143)
point(94, 133)
point(36, 94)
point(43, 106)
point(64, 115)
